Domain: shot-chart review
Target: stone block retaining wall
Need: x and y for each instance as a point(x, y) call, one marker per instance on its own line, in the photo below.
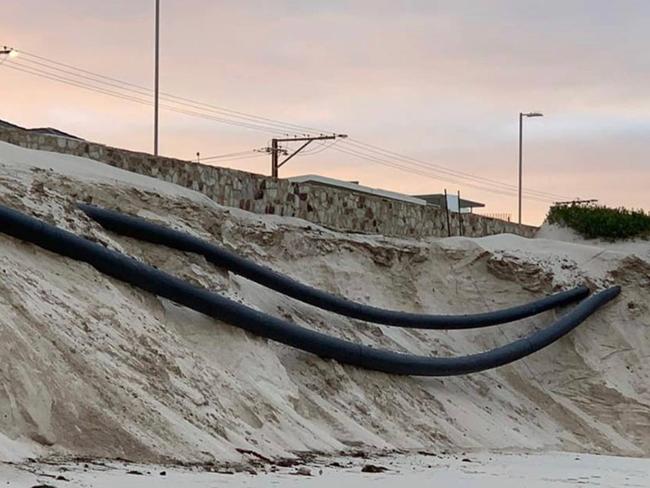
point(339, 209)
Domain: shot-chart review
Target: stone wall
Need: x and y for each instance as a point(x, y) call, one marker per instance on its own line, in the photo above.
point(338, 209)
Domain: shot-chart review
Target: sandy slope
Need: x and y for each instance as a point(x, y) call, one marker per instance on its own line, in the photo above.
point(639, 247)
point(473, 470)
point(93, 367)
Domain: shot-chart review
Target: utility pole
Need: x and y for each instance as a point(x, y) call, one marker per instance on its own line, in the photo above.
point(156, 79)
point(447, 212)
point(460, 217)
point(521, 127)
point(274, 158)
point(276, 149)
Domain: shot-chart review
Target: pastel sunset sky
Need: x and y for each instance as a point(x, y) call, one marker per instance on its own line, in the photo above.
point(440, 81)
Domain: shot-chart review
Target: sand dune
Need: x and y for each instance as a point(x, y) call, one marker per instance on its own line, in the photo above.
point(93, 367)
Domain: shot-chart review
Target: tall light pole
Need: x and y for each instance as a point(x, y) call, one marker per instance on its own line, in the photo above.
point(521, 127)
point(156, 77)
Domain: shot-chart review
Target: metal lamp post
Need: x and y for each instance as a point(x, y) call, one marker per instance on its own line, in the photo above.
point(156, 77)
point(9, 51)
point(521, 126)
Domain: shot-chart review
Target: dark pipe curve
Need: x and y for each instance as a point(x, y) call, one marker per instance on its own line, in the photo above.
point(131, 271)
point(147, 231)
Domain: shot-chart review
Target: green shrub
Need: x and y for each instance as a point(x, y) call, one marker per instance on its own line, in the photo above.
point(592, 221)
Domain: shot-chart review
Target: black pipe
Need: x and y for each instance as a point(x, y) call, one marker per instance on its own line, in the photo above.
point(129, 270)
point(147, 231)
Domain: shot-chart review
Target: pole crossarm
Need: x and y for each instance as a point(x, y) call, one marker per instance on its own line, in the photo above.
point(276, 149)
point(295, 152)
point(315, 138)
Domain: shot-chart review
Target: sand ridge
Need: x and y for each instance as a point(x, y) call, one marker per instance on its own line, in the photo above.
point(96, 368)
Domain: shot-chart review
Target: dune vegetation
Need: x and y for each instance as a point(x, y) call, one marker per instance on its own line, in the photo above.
point(598, 221)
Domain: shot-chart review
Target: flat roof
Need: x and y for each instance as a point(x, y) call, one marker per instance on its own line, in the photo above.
point(439, 198)
point(39, 130)
point(351, 186)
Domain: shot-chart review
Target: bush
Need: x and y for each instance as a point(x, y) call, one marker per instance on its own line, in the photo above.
point(592, 221)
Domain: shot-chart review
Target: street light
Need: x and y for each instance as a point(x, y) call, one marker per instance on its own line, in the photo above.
point(156, 78)
point(9, 51)
point(521, 125)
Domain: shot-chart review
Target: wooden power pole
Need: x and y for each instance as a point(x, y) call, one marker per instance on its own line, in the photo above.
point(275, 149)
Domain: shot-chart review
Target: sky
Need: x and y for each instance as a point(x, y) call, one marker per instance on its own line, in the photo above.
point(439, 81)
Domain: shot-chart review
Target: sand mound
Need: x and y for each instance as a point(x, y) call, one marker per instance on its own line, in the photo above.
point(93, 367)
point(639, 247)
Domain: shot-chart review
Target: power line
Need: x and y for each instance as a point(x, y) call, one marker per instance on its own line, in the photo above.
point(219, 156)
point(433, 170)
point(238, 158)
point(411, 170)
point(318, 150)
point(79, 84)
point(54, 70)
point(224, 111)
point(359, 144)
point(141, 92)
point(443, 169)
point(43, 74)
point(359, 152)
point(407, 169)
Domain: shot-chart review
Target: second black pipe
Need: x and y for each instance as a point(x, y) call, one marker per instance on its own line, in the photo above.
point(144, 230)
